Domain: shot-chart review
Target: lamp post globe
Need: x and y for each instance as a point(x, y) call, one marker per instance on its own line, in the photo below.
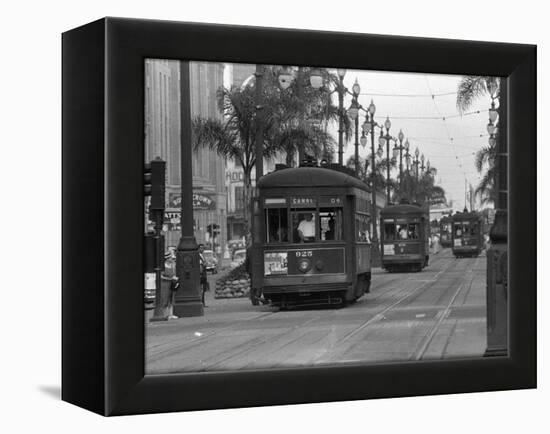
point(341, 72)
point(366, 126)
point(356, 89)
point(493, 115)
point(401, 136)
point(387, 123)
point(353, 111)
point(363, 140)
point(372, 108)
point(285, 78)
point(316, 79)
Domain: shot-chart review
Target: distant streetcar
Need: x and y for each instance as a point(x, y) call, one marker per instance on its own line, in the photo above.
point(404, 233)
point(445, 229)
point(467, 234)
point(312, 237)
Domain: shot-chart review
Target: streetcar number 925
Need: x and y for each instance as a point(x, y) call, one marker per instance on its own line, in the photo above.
point(304, 254)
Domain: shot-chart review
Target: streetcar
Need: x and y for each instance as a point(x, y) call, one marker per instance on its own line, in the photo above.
point(404, 237)
point(467, 234)
point(445, 229)
point(311, 230)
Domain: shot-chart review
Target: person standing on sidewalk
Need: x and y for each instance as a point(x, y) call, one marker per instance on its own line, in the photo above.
point(204, 277)
point(169, 274)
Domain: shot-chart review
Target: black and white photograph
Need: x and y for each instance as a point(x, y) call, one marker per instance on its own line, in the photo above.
point(300, 216)
point(242, 217)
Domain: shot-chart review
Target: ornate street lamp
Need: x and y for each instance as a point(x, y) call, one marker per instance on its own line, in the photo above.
point(368, 126)
point(407, 155)
point(385, 139)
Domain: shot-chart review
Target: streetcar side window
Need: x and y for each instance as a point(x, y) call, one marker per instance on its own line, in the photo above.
point(276, 225)
point(330, 223)
point(304, 225)
point(362, 228)
point(389, 230)
point(413, 231)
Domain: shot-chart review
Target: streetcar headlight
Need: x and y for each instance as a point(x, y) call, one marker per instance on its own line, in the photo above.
point(304, 265)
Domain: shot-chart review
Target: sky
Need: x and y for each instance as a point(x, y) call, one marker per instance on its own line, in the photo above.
point(423, 106)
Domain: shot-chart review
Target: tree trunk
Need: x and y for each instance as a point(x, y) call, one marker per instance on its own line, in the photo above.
point(247, 204)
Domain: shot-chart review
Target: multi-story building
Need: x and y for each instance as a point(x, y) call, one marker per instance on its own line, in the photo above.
point(162, 139)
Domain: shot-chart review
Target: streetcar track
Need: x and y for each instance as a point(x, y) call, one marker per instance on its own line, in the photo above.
point(175, 347)
point(427, 339)
point(378, 316)
point(395, 294)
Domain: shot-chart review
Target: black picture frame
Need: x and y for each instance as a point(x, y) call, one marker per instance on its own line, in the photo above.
point(103, 331)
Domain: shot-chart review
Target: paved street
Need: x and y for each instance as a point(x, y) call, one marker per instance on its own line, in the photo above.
point(437, 313)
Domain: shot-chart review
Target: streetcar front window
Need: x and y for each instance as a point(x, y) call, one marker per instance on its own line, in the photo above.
point(304, 225)
point(461, 229)
point(389, 231)
point(330, 223)
point(276, 225)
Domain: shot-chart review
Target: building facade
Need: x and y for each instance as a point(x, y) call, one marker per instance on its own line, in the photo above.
point(162, 139)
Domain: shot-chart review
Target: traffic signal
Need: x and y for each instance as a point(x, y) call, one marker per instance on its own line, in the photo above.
point(155, 183)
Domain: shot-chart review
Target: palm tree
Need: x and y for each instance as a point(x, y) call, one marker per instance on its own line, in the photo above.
point(300, 115)
point(486, 191)
point(469, 89)
point(472, 87)
point(234, 137)
point(422, 190)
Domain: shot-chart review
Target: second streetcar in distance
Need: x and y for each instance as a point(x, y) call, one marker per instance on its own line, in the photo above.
point(404, 237)
point(467, 234)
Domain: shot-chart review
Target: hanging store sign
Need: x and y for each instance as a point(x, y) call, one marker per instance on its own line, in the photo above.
point(200, 201)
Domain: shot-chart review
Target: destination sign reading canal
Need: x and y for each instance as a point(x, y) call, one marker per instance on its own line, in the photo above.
point(302, 201)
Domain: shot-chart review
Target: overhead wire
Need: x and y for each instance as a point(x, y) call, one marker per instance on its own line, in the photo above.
point(459, 161)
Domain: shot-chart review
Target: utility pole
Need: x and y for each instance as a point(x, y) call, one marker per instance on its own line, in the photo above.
point(188, 299)
point(497, 255)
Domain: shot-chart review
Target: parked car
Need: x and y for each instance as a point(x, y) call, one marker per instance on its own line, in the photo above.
point(211, 261)
point(238, 258)
point(235, 245)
